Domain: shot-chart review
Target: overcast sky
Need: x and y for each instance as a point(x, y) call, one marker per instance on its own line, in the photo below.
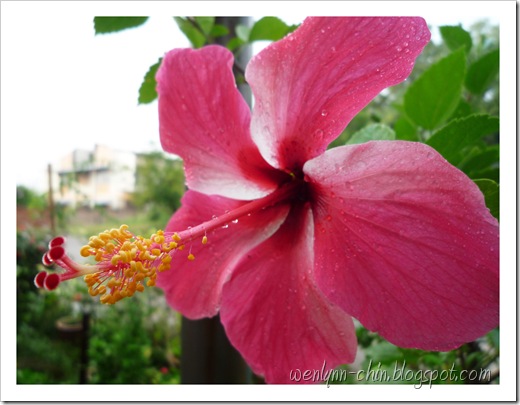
point(64, 88)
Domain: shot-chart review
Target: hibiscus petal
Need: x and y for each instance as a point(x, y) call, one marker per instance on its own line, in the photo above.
point(275, 315)
point(194, 287)
point(405, 243)
point(309, 85)
point(204, 119)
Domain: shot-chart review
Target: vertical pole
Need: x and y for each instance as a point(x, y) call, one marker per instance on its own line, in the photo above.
point(83, 366)
point(207, 355)
point(51, 201)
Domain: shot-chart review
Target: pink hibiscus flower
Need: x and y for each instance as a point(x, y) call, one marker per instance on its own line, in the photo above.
point(387, 232)
point(297, 239)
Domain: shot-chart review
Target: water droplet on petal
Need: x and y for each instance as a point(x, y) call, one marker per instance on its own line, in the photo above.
point(324, 113)
point(235, 221)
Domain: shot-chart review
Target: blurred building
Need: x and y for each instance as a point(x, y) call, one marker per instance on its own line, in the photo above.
point(92, 178)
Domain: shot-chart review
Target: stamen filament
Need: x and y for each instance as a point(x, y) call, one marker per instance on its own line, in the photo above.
point(125, 263)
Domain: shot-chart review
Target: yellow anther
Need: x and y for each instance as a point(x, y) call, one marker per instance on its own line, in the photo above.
point(115, 233)
point(156, 252)
point(115, 259)
point(146, 256)
point(158, 239)
point(163, 266)
point(105, 236)
point(166, 259)
point(140, 267)
point(126, 256)
point(176, 237)
point(113, 283)
point(150, 283)
point(93, 291)
point(204, 239)
point(181, 247)
point(165, 247)
point(126, 246)
point(191, 257)
point(109, 247)
point(96, 242)
point(139, 287)
point(85, 251)
point(99, 255)
point(123, 229)
point(101, 289)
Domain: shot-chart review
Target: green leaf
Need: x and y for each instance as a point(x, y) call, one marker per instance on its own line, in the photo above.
point(456, 37)
point(193, 34)
point(268, 28)
point(205, 23)
point(434, 96)
point(219, 30)
point(147, 91)
point(405, 130)
point(463, 109)
point(490, 189)
point(242, 32)
point(383, 352)
point(482, 72)
point(373, 132)
point(104, 25)
point(234, 43)
point(480, 161)
point(461, 133)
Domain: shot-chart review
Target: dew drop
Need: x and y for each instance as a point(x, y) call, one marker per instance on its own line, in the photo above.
point(398, 48)
point(225, 226)
point(235, 221)
point(324, 113)
point(319, 133)
point(213, 217)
